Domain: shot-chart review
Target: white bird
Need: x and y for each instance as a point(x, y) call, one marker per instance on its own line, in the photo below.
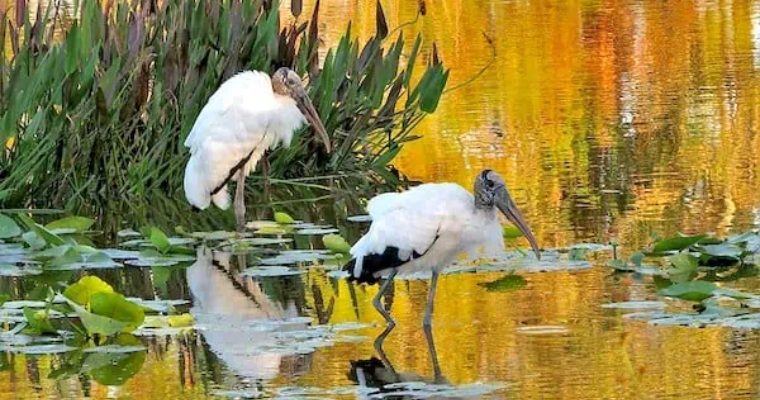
point(427, 227)
point(249, 114)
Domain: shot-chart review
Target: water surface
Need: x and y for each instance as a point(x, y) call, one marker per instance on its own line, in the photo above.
point(610, 120)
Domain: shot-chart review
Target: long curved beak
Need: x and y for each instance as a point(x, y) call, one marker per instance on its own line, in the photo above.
point(505, 204)
point(307, 109)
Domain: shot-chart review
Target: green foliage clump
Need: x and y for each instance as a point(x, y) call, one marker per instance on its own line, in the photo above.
point(95, 102)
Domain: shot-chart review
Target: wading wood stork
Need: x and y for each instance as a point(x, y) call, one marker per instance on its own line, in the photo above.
point(427, 227)
point(249, 114)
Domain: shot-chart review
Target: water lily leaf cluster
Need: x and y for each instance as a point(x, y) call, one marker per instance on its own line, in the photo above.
point(691, 262)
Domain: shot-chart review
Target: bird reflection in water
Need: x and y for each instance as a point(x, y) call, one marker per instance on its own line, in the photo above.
point(227, 306)
point(378, 372)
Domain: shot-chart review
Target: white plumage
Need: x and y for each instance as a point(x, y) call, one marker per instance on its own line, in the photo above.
point(244, 115)
point(428, 227)
point(438, 221)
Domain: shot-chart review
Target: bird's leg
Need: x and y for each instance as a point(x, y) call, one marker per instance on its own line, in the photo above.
point(378, 303)
point(379, 348)
point(438, 376)
point(427, 321)
point(265, 173)
point(239, 201)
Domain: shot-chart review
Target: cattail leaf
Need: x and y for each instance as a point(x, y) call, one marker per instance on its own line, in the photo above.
point(381, 26)
point(434, 59)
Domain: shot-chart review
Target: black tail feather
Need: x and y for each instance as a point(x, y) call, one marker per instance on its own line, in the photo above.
point(374, 263)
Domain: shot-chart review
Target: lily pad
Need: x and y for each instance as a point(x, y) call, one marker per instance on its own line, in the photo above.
point(288, 257)
point(677, 243)
point(271, 270)
point(316, 231)
point(81, 292)
point(635, 305)
point(215, 235)
point(15, 270)
point(73, 224)
point(116, 307)
point(693, 290)
point(8, 227)
point(360, 218)
point(336, 244)
point(283, 218)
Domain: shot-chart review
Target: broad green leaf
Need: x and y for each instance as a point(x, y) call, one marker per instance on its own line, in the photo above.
point(507, 283)
point(283, 218)
point(34, 240)
point(38, 321)
point(78, 224)
point(636, 258)
point(97, 324)
point(159, 239)
point(620, 265)
point(677, 243)
point(721, 250)
point(684, 267)
point(49, 237)
point(8, 227)
point(693, 290)
point(684, 262)
point(81, 292)
point(115, 306)
point(336, 243)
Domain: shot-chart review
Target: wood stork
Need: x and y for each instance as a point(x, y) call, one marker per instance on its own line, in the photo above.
point(427, 227)
point(249, 114)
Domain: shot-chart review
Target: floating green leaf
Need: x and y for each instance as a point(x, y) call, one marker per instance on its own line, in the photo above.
point(283, 218)
point(636, 258)
point(81, 292)
point(116, 307)
point(159, 239)
point(38, 321)
point(676, 243)
point(684, 267)
point(693, 290)
point(8, 227)
point(723, 250)
point(77, 224)
point(97, 324)
point(336, 243)
point(49, 237)
point(684, 262)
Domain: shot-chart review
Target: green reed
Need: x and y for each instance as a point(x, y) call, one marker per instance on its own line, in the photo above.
point(98, 99)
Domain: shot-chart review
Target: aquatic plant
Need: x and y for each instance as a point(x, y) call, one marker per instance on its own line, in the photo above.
point(693, 262)
point(96, 101)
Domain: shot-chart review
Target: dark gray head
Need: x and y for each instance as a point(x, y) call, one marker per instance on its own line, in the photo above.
point(286, 82)
point(490, 192)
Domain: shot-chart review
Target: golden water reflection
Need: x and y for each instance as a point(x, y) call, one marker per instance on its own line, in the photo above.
point(609, 120)
point(479, 340)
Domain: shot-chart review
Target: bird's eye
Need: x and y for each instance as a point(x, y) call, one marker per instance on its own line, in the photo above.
point(490, 184)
